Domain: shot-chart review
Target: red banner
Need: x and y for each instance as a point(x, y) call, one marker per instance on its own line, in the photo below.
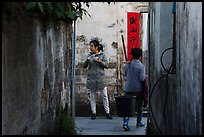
point(133, 29)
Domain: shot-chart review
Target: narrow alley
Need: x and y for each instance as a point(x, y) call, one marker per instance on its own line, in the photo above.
point(44, 79)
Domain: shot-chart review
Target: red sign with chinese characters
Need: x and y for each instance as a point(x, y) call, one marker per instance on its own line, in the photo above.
point(133, 29)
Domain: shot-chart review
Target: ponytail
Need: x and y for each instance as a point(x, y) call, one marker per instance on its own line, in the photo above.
point(100, 47)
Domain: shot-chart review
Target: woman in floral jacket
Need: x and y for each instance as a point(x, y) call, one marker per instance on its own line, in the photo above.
point(96, 62)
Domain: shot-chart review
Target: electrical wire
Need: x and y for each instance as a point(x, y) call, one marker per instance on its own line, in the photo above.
point(165, 75)
point(168, 72)
point(171, 70)
point(150, 106)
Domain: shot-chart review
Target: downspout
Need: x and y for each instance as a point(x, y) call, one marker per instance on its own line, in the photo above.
point(148, 109)
point(174, 38)
point(73, 72)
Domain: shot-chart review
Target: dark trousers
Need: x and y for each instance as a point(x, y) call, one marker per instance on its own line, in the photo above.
point(138, 106)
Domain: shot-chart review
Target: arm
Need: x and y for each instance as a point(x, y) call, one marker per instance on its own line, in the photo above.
point(103, 62)
point(142, 73)
point(85, 62)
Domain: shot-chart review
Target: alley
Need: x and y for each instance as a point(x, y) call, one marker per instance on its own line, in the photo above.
point(44, 45)
point(103, 126)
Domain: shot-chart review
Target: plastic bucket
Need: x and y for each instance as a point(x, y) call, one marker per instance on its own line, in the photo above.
point(125, 106)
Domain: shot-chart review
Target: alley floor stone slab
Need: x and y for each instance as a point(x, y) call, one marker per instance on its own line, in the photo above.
point(103, 126)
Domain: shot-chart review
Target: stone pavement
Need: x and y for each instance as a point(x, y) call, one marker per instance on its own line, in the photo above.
point(103, 126)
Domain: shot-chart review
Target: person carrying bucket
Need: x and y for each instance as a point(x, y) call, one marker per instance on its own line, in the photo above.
point(134, 72)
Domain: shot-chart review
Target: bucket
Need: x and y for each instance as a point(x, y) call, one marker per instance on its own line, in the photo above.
point(125, 106)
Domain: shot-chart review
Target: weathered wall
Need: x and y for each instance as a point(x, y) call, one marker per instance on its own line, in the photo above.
point(176, 100)
point(189, 67)
point(108, 23)
point(160, 39)
point(36, 56)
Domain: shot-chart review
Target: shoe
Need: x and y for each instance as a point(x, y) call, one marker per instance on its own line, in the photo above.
point(93, 116)
point(141, 124)
point(126, 128)
point(108, 116)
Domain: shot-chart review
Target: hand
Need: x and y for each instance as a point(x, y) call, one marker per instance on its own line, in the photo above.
point(88, 59)
point(98, 59)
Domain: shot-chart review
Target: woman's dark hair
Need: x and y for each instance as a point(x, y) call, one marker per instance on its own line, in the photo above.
point(100, 47)
point(136, 53)
point(97, 44)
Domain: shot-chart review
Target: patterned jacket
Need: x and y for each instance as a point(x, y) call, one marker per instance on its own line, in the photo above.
point(96, 79)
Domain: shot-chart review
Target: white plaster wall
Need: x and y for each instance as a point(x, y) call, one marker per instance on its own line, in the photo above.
point(102, 16)
point(145, 31)
point(108, 22)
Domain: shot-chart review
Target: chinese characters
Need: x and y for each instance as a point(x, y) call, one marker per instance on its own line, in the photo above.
point(133, 31)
